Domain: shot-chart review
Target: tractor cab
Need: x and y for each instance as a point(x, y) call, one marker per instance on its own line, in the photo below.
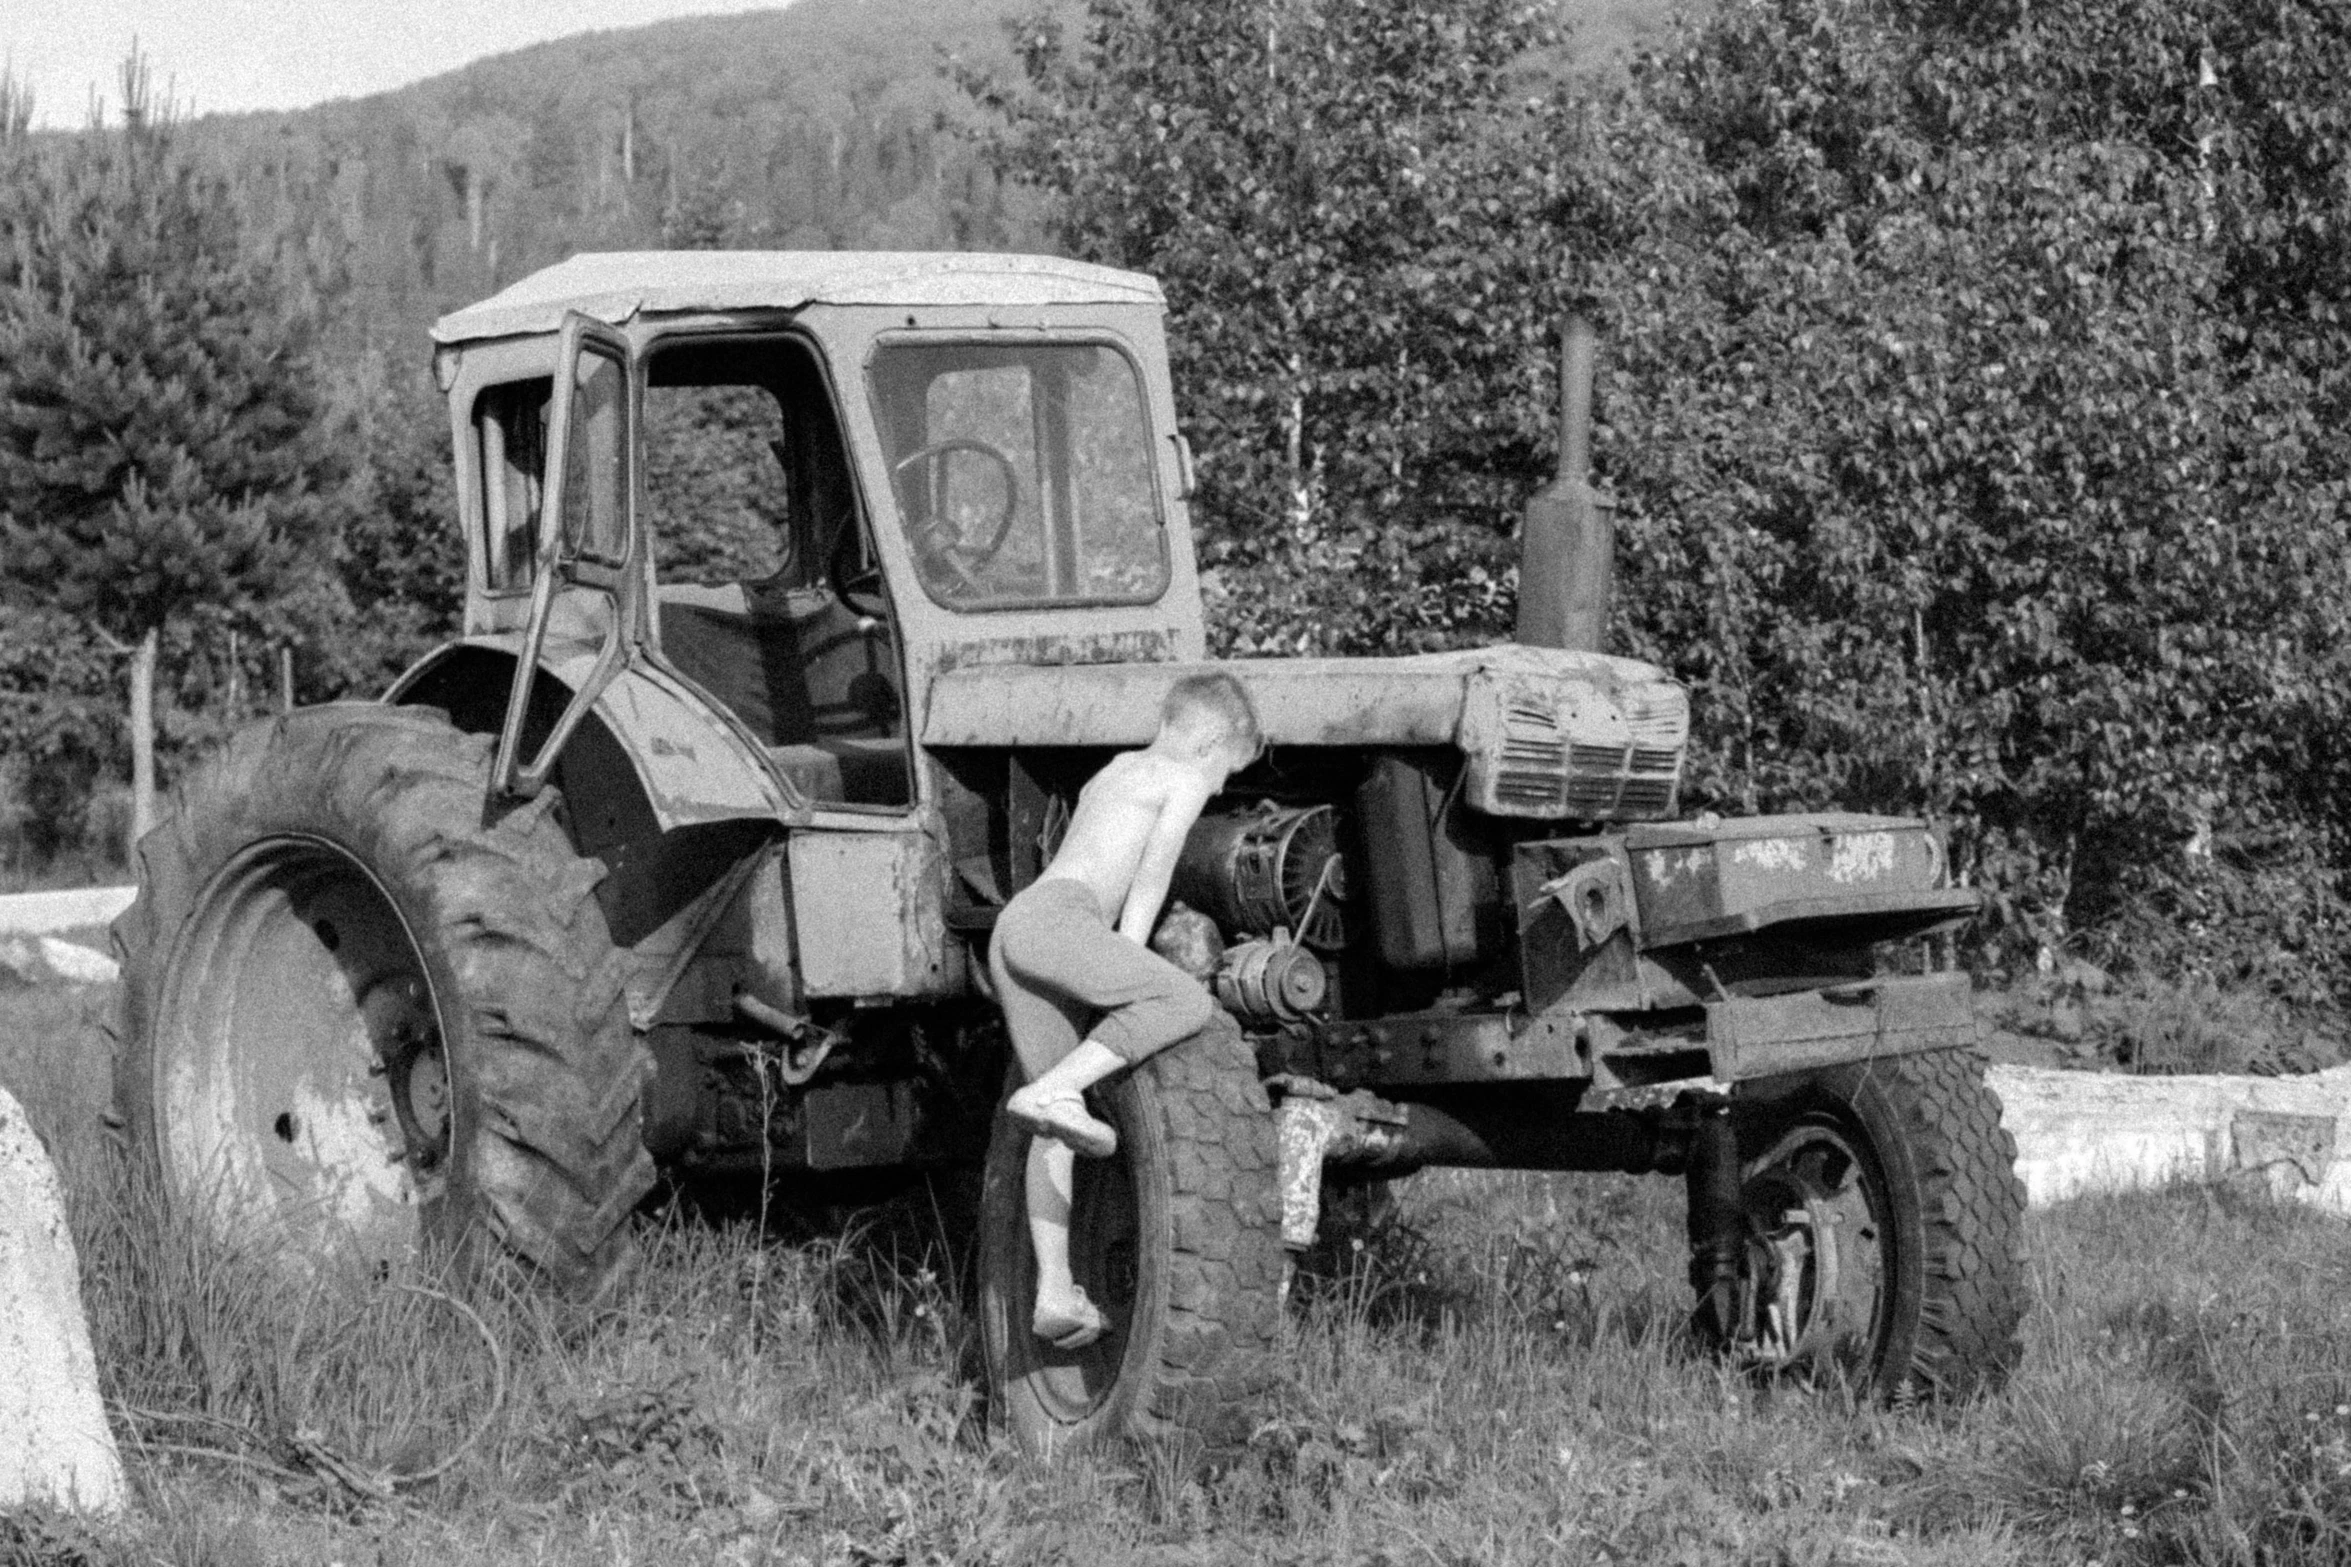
point(781, 491)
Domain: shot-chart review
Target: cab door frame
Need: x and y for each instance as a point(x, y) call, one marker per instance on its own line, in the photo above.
point(570, 557)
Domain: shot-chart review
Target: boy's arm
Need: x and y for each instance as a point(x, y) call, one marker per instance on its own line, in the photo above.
point(1156, 868)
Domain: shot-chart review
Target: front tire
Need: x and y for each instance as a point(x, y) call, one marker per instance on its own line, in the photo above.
point(1176, 1236)
point(362, 1004)
point(1883, 1228)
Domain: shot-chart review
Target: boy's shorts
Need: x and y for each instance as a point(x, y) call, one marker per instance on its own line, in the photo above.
point(1064, 975)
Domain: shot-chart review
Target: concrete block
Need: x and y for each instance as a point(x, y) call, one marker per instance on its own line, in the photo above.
point(54, 1443)
point(2079, 1133)
point(39, 913)
point(45, 960)
point(75, 963)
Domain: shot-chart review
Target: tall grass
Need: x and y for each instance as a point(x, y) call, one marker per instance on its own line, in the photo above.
point(1489, 1370)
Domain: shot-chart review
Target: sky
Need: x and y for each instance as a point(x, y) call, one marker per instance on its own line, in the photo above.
point(220, 56)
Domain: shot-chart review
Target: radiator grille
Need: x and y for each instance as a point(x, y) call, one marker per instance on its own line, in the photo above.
point(1594, 796)
point(1648, 797)
point(1533, 761)
point(1556, 747)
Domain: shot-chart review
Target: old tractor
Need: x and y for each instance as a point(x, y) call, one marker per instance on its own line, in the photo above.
point(679, 864)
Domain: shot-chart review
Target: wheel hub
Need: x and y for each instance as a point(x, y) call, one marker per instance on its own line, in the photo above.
point(1812, 1286)
point(299, 1069)
point(406, 1038)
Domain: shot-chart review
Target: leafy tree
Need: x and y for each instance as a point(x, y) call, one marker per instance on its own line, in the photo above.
point(162, 460)
point(1974, 392)
point(1368, 215)
point(2016, 366)
point(400, 560)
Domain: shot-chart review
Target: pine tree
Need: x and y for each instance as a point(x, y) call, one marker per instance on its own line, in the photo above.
point(162, 458)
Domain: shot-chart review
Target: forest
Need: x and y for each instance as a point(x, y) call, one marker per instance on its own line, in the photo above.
point(1973, 390)
point(334, 236)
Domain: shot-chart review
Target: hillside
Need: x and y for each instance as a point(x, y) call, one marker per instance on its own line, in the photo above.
point(830, 124)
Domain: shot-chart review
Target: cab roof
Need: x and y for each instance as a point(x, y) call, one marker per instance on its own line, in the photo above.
point(615, 285)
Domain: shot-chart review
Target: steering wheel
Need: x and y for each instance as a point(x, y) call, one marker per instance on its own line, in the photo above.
point(939, 539)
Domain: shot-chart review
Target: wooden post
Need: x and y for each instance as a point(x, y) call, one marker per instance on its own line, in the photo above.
point(286, 678)
point(143, 658)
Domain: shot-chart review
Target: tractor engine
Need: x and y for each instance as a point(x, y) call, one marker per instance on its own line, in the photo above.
point(1396, 896)
point(1272, 876)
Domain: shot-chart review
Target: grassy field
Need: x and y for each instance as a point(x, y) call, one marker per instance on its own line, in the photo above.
point(1499, 1377)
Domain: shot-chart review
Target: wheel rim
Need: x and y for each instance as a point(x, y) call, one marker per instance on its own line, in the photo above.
point(299, 1069)
point(1104, 1257)
point(1814, 1292)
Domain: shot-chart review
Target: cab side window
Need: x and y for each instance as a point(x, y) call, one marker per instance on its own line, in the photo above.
point(716, 493)
point(596, 459)
point(510, 423)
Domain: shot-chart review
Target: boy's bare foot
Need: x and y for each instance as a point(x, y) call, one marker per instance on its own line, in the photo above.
point(1061, 1114)
point(1071, 1323)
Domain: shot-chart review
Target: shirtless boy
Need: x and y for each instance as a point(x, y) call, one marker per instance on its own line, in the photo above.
point(1084, 999)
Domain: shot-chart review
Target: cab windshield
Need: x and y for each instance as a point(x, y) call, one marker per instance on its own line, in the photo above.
point(1023, 473)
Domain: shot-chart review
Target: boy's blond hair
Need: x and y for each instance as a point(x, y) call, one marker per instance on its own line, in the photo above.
point(1220, 699)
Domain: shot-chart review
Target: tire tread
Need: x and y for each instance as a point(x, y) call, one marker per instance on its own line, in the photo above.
point(509, 903)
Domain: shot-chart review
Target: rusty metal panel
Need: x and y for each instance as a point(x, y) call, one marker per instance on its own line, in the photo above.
point(1438, 1048)
point(1698, 882)
point(1094, 644)
point(1751, 1037)
point(694, 764)
point(1744, 1038)
point(1576, 926)
point(870, 914)
point(1417, 700)
point(1307, 701)
point(741, 944)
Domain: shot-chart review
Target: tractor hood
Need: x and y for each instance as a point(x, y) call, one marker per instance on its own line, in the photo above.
point(1547, 733)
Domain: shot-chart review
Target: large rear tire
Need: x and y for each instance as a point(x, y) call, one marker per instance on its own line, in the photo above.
point(1177, 1237)
point(361, 1003)
point(1883, 1228)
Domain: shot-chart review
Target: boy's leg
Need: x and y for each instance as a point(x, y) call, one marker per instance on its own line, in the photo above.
point(1046, 1019)
point(1045, 1037)
point(1063, 1312)
point(1057, 1096)
point(1045, 1031)
point(1156, 1005)
point(1147, 1004)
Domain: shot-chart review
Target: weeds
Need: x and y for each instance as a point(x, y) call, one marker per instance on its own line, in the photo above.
point(1480, 1368)
point(34, 1537)
point(2156, 1025)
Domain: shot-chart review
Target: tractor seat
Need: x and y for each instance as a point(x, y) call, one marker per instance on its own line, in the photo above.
point(811, 677)
point(865, 771)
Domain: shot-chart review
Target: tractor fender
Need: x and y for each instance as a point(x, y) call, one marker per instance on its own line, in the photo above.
point(694, 765)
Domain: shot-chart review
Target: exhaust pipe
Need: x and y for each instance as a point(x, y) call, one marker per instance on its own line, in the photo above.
point(1567, 560)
